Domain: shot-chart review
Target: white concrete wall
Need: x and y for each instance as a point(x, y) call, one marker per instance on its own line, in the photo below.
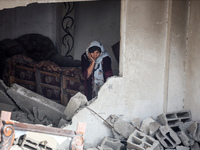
point(192, 94)
point(143, 51)
point(175, 93)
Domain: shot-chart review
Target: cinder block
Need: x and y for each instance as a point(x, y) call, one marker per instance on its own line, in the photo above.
point(75, 102)
point(167, 137)
point(140, 141)
point(122, 127)
point(185, 138)
point(149, 126)
point(112, 143)
point(194, 130)
point(174, 119)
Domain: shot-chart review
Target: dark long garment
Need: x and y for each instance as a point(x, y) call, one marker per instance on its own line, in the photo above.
point(88, 84)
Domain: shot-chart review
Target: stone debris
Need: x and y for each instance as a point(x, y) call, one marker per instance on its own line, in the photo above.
point(139, 140)
point(167, 137)
point(120, 126)
point(168, 131)
point(75, 103)
point(174, 119)
point(111, 143)
point(44, 111)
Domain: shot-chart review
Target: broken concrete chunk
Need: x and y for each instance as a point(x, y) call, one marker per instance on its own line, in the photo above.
point(120, 126)
point(140, 141)
point(115, 144)
point(31, 117)
point(185, 139)
point(41, 115)
point(35, 112)
point(149, 126)
point(117, 135)
point(136, 122)
point(104, 148)
point(167, 137)
point(174, 119)
point(25, 98)
point(6, 107)
point(194, 130)
point(153, 128)
point(5, 99)
point(62, 123)
point(77, 101)
point(182, 148)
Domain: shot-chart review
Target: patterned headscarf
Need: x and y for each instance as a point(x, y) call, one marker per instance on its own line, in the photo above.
point(98, 80)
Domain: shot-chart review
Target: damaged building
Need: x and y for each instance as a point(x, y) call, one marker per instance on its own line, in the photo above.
point(152, 100)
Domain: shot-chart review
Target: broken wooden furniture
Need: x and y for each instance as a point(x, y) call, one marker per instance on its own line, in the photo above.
point(45, 78)
point(9, 127)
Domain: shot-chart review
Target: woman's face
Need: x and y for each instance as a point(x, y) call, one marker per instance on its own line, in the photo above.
point(95, 54)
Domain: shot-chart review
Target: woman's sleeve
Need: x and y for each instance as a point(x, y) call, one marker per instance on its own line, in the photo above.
point(84, 65)
point(107, 69)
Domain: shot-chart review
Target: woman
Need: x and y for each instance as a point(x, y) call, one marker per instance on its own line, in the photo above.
point(96, 68)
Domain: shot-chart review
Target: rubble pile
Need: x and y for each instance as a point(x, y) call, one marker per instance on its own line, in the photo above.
point(169, 131)
point(29, 107)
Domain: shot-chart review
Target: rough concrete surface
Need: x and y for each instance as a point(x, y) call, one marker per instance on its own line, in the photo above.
point(27, 99)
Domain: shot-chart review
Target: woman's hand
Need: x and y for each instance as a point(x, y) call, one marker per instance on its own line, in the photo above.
point(91, 67)
point(91, 58)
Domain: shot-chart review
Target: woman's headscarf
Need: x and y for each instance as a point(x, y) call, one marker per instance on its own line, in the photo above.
point(98, 70)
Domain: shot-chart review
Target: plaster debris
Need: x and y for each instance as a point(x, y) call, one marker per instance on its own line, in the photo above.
point(114, 144)
point(169, 131)
point(42, 108)
point(77, 101)
point(120, 126)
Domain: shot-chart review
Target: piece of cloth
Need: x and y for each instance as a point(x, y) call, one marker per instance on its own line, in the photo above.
point(102, 70)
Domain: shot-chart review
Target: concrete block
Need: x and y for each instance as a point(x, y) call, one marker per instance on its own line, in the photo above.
point(194, 130)
point(41, 115)
point(153, 128)
point(6, 107)
point(117, 135)
point(182, 148)
point(25, 98)
point(104, 148)
point(140, 141)
point(31, 117)
point(62, 122)
point(149, 126)
point(174, 119)
point(136, 122)
point(185, 139)
point(167, 137)
point(120, 126)
point(77, 101)
point(115, 144)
